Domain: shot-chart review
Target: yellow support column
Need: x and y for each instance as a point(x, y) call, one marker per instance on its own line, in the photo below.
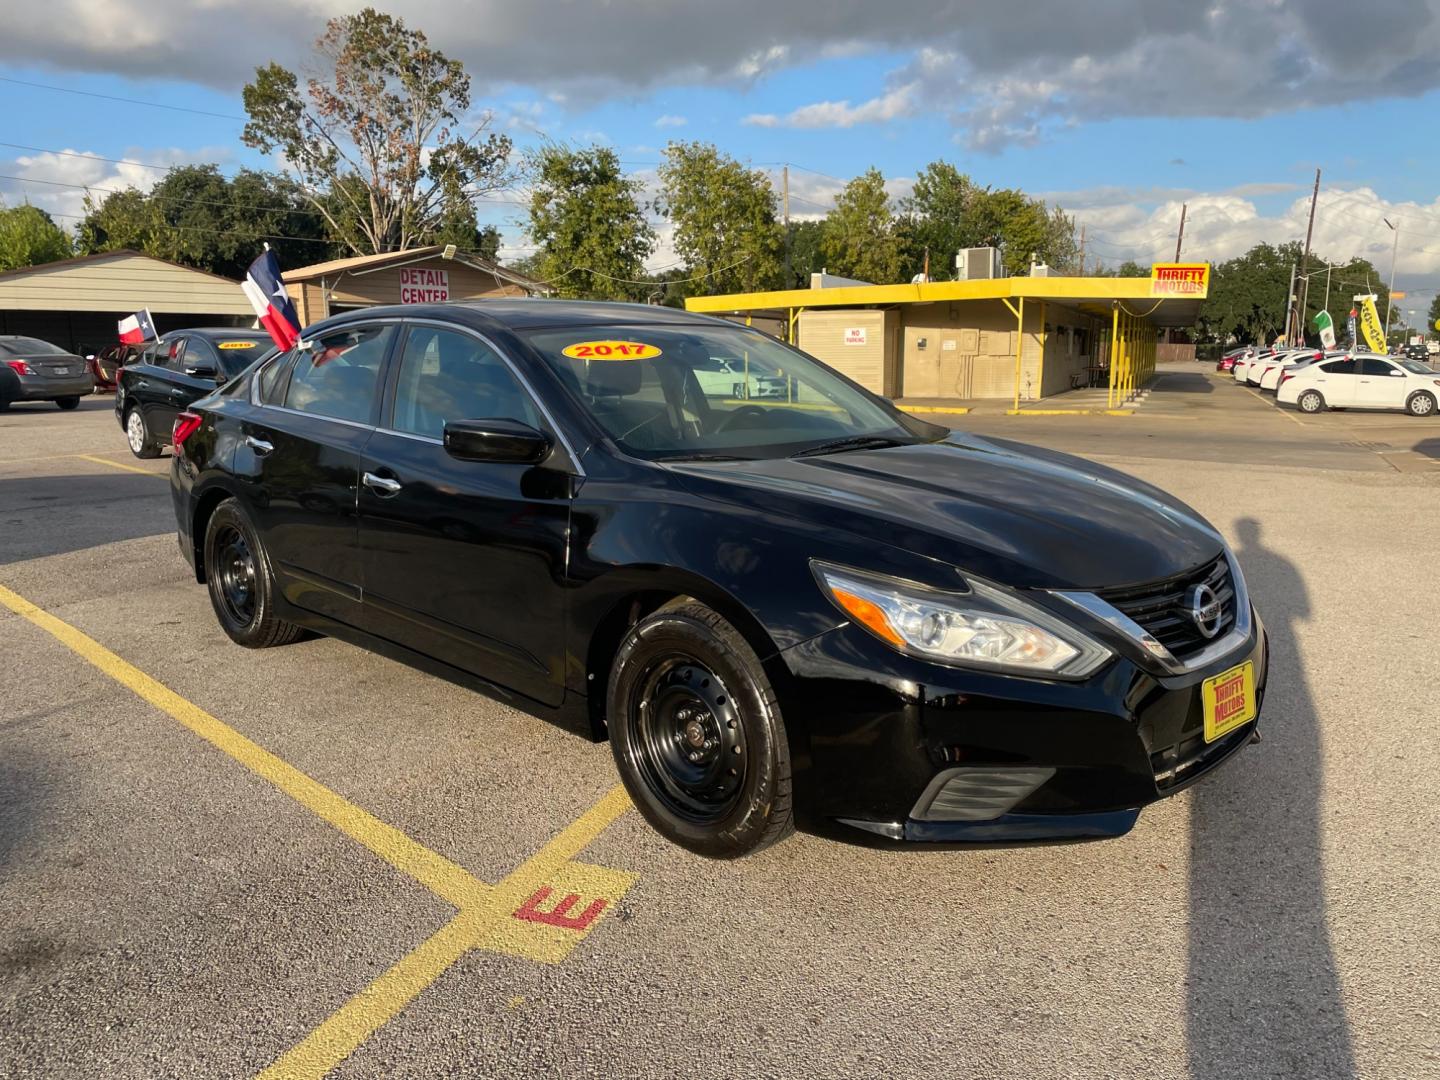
point(1019, 348)
point(1114, 353)
point(1040, 376)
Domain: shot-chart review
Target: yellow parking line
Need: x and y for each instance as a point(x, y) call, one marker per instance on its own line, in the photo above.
point(437, 873)
point(123, 465)
point(487, 925)
point(503, 918)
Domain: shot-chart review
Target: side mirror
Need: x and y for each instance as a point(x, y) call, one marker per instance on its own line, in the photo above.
point(201, 371)
point(496, 441)
point(1397, 374)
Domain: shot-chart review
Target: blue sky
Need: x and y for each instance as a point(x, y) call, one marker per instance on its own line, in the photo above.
point(1118, 129)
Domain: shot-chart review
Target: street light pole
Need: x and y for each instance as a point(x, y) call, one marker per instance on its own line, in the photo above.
point(1389, 298)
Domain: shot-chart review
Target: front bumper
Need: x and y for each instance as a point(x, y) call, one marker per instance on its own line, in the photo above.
point(907, 750)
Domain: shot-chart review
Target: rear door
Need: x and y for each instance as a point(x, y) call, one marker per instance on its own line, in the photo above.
point(164, 387)
point(299, 458)
point(464, 560)
point(1381, 384)
point(1337, 381)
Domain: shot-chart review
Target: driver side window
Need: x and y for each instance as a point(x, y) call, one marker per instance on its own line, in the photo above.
point(446, 375)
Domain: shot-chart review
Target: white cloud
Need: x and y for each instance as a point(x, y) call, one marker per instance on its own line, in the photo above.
point(58, 182)
point(670, 120)
point(841, 114)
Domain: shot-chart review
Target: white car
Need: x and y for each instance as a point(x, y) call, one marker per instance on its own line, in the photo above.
point(1242, 367)
point(1274, 361)
point(1270, 376)
point(1363, 381)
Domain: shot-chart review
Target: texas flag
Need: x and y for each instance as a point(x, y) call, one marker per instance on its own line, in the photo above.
point(272, 304)
point(138, 328)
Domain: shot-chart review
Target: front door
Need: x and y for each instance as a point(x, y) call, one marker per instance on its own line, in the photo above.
point(162, 386)
point(464, 560)
point(301, 451)
point(1381, 384)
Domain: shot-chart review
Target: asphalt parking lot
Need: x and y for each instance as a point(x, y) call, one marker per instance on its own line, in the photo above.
point(217, 862)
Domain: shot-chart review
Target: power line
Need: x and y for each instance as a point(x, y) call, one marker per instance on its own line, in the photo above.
point(126, 100)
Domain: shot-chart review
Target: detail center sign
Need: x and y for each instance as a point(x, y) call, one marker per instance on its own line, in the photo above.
point(421, 286)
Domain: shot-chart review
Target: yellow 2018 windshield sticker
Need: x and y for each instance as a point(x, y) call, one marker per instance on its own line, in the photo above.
point(611, 350)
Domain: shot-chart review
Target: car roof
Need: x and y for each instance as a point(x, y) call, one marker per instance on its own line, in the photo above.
point(221, 332)
point(537, 314)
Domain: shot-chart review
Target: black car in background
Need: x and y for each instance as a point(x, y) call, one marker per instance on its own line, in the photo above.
point(164, 377)
point(35, 370)
point(816, 608)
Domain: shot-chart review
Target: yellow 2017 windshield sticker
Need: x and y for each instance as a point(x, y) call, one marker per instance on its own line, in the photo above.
point(611, 350)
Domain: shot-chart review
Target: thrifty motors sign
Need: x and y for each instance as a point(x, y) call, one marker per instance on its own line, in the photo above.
point(1190, 280)
point(421, 286)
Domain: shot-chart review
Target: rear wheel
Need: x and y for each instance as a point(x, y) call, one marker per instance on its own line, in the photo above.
point(1421, 403)
point(137, 434)
point(68, 402)
point(697, 734)
point(242, 587)
point(1310, 401)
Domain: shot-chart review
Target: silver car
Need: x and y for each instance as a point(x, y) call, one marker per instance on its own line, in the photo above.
point(35, 370)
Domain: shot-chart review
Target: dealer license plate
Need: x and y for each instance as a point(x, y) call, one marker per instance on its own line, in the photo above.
point(1229, 701)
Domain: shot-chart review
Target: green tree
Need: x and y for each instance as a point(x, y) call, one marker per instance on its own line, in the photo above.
point(1022, 227)
point(198, 217)
point(1432, 318)
point(29, 237)
point(586, 217)
point(383, 133)
point(724, 217)
point(936, 218)
point(806, 251)
point(860, 238)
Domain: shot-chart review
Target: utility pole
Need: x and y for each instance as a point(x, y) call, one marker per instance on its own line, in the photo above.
point(1305, 259)
point(785, 186)
point(1389, 299)
point(1289, 306)
point(1180, 238)
point(1082, 251)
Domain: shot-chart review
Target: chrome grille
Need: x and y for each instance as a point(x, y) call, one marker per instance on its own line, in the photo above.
point(1161, 608)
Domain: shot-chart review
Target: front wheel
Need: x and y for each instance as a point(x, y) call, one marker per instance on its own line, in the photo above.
point(1420, 404)
point(1310, 401)
point(242, 588)
point(137, 434)
point(697, 733)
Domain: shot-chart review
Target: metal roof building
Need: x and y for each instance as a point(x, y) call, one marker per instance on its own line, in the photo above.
point(76, 303)
point(1015, 337)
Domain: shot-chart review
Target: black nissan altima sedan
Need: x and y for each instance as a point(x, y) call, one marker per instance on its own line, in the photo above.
point(803, 607)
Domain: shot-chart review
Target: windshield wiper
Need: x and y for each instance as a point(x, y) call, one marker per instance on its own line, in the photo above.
point(702, 455)
point(853, 442)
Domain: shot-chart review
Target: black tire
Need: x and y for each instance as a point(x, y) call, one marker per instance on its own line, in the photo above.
point(242, 586)
point(67, 403)
point(1421, 403)
point(137, 434)
point(697, 734)
point(1310, 401)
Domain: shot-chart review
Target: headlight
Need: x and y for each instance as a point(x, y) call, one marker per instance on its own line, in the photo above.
point(985, 627)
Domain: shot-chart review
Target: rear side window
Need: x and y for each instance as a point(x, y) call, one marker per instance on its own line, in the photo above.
point(446, 375)
point(272, 378)
point(339, 374)
point(1339, 367)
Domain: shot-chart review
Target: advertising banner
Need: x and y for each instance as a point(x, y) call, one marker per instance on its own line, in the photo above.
point(1370, 325)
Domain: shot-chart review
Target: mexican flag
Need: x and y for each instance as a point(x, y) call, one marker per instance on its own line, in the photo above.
point(1326, 328)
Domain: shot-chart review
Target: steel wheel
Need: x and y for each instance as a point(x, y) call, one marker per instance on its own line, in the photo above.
point(688, 740)
point(236, 568)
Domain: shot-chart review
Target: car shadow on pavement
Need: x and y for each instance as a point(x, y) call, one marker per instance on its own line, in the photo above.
point(55, 515)
point(1428, 448)
point(1263, 994)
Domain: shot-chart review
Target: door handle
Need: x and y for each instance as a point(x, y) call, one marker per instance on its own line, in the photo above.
point(260, 446)
point(142, 385)
point(381, 485)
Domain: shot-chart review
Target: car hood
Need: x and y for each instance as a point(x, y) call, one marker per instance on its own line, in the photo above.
point(1015, 514)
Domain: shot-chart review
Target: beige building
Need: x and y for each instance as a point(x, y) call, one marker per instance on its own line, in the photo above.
point(76, 303)
point(416, 276)
point(1021, 338)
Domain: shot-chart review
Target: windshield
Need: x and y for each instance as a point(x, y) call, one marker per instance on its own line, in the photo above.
point(1417, 368)
point(702, 391)
point(29, 346)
